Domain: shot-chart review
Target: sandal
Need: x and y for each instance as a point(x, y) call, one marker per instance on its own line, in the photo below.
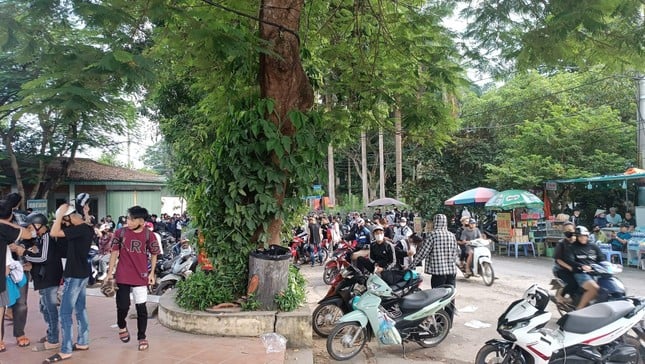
point(124, 335)
point(2, 347)
point(77, 347)
point(22, 341)
point(143, 345)
point(55, 359)
point(45, 346)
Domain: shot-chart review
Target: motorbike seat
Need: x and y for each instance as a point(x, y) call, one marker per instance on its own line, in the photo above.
point(594, 317)
point(417, 300)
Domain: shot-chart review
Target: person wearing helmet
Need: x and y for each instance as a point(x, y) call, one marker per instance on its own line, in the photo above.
point(381, 253)
point(76, 273)
point(362, 237)
point(131, 245)
point(561, 269)
point(402, 230)
point(580, 257)
point(47, 271)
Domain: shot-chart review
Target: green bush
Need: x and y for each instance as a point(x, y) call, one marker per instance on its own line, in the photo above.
point(296, 292)
point(202, 290)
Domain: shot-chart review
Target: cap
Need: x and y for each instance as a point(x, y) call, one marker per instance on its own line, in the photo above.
point(403, 219)
point(377, 227)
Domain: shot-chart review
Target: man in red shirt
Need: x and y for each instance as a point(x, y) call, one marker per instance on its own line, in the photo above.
point(131, 245)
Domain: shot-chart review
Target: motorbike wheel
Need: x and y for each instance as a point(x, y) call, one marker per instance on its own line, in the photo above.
point(346, 340)
point(163, 287)
point(437, 326)
point(325, 254)
point(329, 274)
point(491, 354)
point(325, 317)
point(487, 273)
point(633, 341)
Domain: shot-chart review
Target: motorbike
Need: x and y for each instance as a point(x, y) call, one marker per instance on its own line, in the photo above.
point(338, 260)
point(300, 248)
point(611, 288)
point(482, 263)
point(594, 334)
point(423, 320)
point(183, 266)
point(167, 240)
point(350, 283)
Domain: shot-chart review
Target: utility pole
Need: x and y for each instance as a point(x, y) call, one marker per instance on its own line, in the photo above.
point(381, 163)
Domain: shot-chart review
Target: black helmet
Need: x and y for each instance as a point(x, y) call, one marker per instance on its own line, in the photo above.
point(537, 297)
point(37, 218)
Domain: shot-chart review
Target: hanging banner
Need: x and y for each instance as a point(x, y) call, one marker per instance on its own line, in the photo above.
point(504, 229)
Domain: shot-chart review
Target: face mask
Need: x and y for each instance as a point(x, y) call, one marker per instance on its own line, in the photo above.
point(378, 237)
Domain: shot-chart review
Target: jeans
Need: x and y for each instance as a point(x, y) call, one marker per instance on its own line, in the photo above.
point(74, 300)
point(313, 249)
point(20, 310)
point(50, 312)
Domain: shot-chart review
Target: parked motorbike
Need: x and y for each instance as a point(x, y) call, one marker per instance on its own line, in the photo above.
point(182, 266)
point(299, 247)
point(423, 320)
point(338, 260)
point(350, 283)
point(611, 288)
point(482, 264)
point(594, 334)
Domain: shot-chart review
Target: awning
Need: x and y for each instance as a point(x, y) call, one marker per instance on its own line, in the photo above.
point(609, 177)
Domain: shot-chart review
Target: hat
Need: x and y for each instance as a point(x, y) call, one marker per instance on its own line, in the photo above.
point(377, 227)
point(472, 221)
point(403, 219)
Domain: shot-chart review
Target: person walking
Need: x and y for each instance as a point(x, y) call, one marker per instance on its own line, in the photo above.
point(131, 245)
point(439, 250)
point(75, 276)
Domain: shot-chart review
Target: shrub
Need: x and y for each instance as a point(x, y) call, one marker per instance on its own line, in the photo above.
point(296, 292)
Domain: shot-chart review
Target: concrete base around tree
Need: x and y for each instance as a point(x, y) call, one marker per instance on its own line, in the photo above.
point(295, 326)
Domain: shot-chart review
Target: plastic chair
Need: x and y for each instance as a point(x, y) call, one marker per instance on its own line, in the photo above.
point(609, 253)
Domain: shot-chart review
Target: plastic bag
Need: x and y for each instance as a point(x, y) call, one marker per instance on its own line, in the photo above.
point(274, 343)
point(387, 333)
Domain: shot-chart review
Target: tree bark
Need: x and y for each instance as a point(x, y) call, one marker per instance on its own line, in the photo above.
point(282, 77)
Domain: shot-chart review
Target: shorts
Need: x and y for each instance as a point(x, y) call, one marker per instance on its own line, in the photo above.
point(465, 249)
point(581, 278)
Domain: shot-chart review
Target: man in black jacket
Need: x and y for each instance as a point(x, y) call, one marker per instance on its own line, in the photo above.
point(47, 271)
point(580, 257)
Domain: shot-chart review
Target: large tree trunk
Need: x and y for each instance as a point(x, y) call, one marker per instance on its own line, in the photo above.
point(282, 77)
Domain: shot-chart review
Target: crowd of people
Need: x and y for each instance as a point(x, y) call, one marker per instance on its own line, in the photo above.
point(57, 260)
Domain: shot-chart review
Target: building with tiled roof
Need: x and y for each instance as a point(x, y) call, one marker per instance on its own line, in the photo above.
point(112, 189)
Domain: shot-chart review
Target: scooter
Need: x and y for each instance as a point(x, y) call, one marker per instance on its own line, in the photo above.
point(338, 260)
point(423, 320)
point(482, 263)
point(594, 334)
point(182, 267)
point(350, 283)
point(611, 288)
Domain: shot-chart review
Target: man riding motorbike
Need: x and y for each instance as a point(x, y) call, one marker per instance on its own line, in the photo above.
point(580, 256)
point(561, 269)
point(468, 233)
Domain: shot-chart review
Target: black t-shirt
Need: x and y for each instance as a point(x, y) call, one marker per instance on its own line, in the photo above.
point(79, 239)
point(8, 235)
point(47, 268)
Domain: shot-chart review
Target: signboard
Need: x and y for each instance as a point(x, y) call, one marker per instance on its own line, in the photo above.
point(317, 188)
point(551, 186)
point(39, 206)
point(504, 228)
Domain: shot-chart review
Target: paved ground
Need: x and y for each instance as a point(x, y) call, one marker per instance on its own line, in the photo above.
point(166, 346)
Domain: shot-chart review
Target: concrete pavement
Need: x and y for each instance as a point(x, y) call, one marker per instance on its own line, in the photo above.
point(166, 346)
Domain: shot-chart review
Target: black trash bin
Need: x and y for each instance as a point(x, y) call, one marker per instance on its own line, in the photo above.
point(271, 267)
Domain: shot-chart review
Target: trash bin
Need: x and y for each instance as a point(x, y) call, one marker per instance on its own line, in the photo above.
point(269, 272)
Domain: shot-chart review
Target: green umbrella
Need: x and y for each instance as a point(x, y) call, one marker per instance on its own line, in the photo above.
point(513, 199)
